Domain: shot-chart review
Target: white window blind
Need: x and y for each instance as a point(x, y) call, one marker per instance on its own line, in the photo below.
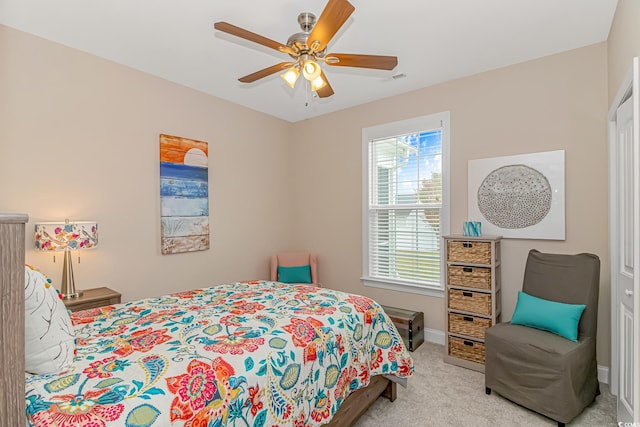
point(405, 204)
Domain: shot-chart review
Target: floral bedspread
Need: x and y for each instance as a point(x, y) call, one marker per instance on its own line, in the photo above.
point(243, 354)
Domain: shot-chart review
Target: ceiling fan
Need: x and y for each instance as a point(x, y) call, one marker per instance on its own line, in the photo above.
point(309, 47)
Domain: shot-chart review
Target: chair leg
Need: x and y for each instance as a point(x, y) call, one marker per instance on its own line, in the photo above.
point(560, 424)
point(487, 390)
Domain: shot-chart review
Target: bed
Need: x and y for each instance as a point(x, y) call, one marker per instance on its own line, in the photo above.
point(241, 354)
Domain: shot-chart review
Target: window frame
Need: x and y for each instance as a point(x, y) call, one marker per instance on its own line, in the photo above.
point(389, 130)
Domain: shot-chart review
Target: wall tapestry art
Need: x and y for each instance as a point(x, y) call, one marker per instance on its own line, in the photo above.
point(184, 194)
point(520, 197)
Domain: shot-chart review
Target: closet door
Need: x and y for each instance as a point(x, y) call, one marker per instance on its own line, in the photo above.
point(625, 248)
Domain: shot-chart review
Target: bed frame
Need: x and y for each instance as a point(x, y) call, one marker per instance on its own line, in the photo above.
point(12, 387)
point(12, 403)
point(360, 400)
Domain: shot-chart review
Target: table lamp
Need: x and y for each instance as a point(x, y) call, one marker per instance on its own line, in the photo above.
point(66, 236)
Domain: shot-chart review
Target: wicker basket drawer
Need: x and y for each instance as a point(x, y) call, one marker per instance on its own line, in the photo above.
point(470, 277)
point(470, 326)
point(466, 349)
point(470, 301)
point(468, 251)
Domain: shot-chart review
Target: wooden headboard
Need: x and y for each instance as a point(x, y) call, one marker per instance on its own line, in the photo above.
point(12, 403)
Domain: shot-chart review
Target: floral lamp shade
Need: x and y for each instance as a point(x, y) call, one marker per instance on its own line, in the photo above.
point(66, 236)
point(60, 236)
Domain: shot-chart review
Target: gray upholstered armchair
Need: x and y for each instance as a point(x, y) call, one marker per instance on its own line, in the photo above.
point(540, 370)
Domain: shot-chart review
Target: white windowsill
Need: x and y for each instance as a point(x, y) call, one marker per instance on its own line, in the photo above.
point(402, 287)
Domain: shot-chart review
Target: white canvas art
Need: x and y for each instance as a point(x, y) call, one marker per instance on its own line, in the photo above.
point(519, 197)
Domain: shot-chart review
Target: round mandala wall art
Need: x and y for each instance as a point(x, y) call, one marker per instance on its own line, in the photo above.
point(514, 197)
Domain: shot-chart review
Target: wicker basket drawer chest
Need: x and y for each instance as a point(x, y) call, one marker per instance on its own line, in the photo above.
point(472, 297)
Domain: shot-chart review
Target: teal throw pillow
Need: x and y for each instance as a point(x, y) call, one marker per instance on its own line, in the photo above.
point(556, 317)
point(298, 274)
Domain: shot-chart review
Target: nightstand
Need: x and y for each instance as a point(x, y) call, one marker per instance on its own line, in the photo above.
point(93, 298)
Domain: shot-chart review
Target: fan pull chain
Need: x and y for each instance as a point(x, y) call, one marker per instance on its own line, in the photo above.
point(307, 86)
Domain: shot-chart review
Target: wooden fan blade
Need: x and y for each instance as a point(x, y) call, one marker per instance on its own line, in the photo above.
point(252, 37)
point(334, 15)
point(249, 78)
point(377, 62)
point(325, 91)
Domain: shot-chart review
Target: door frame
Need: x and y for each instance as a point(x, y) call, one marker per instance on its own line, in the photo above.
point(629, 87)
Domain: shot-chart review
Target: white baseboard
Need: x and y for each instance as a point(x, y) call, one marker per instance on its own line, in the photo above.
point(438, 337)
point(434, 335)
point(603, 374)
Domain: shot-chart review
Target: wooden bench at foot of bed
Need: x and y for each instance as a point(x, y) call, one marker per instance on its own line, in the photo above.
point(360, 400)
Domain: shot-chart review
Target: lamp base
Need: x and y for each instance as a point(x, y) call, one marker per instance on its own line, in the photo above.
point(74, 295)
point(68, 286)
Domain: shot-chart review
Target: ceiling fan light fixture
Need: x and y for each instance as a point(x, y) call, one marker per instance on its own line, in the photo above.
point(291, 76)
point(311, 70)
point(318, 83)
point(308, 49)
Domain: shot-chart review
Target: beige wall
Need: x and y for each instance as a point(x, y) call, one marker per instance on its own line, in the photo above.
point(55, 100)
point(79, 139)
point(623, 43)
point(554, 103)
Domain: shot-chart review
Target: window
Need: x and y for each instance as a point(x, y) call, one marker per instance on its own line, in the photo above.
point(405, 203)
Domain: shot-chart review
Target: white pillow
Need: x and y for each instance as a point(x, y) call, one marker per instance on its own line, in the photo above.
point(49, 337)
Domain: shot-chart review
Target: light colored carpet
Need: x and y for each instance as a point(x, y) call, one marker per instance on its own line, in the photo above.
point(441, 394)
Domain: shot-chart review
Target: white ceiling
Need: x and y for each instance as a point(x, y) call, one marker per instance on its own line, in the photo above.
point(434, 40)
